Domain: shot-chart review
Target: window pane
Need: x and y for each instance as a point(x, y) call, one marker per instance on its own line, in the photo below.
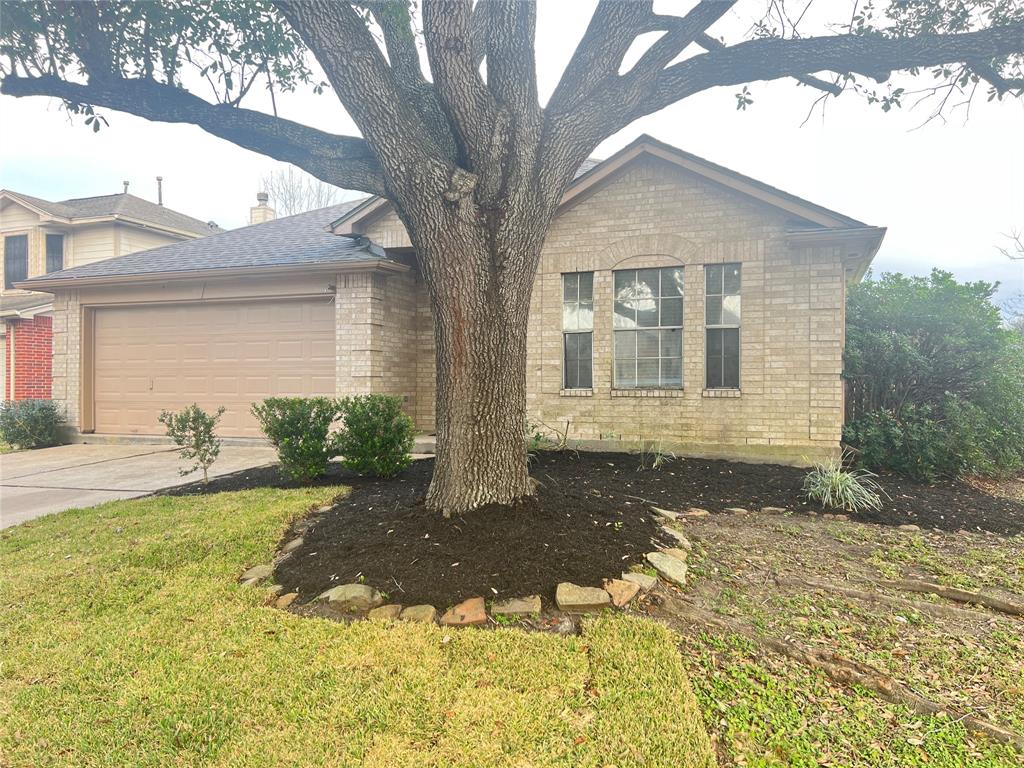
point(571, 346)
point(671, 312)
point(647, 282)
point(731, 372)
point(730, 310)
point(647, 313)
point(625, 374)
point(625, 344)
point(647, 374)
point(584, 342)
point(54, 253)
point(625, 314)
point(713, 279)
point(15, 259)
point(624, 285)
point(570, 287)
point(647, 343)
point(713, 310)
point(714, 342)
point(672, 281)
point(570, 316)
point(732, 279)
point(585, 375)
point(671, 372)
point(586, 286)
point(731, 341)
point(585, 318)
point(671, 343)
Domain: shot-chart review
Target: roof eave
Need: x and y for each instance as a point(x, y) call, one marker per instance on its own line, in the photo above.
point(864, 243)
point(362, 265)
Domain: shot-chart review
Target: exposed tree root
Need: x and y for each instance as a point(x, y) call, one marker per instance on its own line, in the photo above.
point(841, 670)
point(957, 595)
point(903, 603)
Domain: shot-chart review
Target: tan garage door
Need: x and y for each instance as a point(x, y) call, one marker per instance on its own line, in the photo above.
point(147, 359)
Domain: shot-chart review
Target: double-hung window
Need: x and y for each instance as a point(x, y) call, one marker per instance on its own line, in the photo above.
point(54, 253)
point(648, 324)
point(577, 330)
point(15, 259)
point(722, 325)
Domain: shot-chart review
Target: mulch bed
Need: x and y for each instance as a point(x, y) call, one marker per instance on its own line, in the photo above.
point(589, 520)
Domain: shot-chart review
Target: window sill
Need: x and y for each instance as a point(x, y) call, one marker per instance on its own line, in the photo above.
point(720, 393)
point(576, 393)
point(647, 393)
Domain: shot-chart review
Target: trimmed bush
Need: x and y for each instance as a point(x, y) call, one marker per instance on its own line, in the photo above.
point(300, 429)
point(192, 429)
point(30, 423)
point(834, 487)
point(376, 436)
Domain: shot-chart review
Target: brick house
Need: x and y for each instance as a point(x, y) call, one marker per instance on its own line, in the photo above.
point(677, 301)
point(40, 237)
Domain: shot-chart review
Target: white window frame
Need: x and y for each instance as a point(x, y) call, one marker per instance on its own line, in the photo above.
point(722, 325)
point(580, 327)
point(635, 329)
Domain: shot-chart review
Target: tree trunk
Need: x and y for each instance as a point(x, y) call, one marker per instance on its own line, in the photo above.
point(479, 272)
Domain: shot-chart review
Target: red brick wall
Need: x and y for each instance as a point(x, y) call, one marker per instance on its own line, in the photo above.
point(33, 358)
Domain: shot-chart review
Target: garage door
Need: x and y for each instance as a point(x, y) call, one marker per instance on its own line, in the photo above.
point(147, 359)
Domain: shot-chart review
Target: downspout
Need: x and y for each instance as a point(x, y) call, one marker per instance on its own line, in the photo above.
point(10, 370)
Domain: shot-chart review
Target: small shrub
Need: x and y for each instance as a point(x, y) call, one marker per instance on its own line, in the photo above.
point(30, 423)
point(192, 429)
point(300, 429)
point(376, 436)
point(832, 486)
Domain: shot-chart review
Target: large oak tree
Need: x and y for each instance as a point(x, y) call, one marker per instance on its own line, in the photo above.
point(458, 140)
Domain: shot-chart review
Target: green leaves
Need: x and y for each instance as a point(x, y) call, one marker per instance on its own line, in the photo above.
point(193, 430)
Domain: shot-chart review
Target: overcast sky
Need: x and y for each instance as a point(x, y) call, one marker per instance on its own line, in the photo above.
point(946, 191)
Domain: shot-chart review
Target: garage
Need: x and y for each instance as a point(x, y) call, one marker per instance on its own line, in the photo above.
point(166, 356)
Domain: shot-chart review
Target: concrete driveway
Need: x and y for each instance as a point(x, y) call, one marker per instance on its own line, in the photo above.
point(36, 483)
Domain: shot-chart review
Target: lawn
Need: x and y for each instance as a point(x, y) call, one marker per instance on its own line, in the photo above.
point(126, 641)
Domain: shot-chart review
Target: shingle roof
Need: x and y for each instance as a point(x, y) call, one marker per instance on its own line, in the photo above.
point(302, 239)
point(13, 303)
point(121, 204)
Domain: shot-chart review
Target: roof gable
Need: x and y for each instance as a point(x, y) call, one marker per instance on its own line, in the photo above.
point(593, 174)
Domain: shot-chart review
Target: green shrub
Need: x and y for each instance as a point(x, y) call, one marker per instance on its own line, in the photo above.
point(834, 487)
point(192, 429)
point(935, 381)
point(30, 423)
point(300, 429)
point(376, 436)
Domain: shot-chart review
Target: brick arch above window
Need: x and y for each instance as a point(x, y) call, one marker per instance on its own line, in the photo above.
point(649, 250)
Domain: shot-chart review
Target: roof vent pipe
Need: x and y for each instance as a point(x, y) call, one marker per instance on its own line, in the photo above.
point(159, 190)
point(125, 182)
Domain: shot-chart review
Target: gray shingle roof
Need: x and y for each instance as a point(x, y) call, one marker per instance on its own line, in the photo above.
point(293, 240)
point(121, 204)
point(13, 303)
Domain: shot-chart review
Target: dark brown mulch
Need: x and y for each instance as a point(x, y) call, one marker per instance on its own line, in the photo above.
point(589, 520)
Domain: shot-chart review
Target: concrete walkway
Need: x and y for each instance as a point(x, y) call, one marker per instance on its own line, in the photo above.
point(36, 483)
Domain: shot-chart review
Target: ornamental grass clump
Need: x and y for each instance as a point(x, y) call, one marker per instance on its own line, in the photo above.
point(834, 487)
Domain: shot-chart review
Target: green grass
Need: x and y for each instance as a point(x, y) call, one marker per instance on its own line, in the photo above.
point(125, 641)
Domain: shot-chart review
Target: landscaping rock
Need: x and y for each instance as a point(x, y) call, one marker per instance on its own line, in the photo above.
point(910, 527)
point(256, 573)
point(679, 537)
point(425, 614)
point(285, 600)
point(696, 512)
point(666, 514)
point(573, 598)
point(736, 510)
point(388, 612)
point(774, 510)
point(518, 606)
point(292, 545)
point(622, 592)
point(275, 590)
point(646, 583)
point(670, 568)
point(678, 553)
point(352, 597)
point(471, 611)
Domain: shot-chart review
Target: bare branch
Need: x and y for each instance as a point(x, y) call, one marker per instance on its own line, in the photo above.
point(709, 43)
point(343, 161)
point(988, 73)
point(679, 33)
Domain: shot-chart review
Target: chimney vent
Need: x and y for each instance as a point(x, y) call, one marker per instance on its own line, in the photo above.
point(159, 190)
point(262, 211)
point(125, 182)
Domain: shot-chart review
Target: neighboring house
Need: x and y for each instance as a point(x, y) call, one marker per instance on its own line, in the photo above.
point(676, 301)
point(40, 237)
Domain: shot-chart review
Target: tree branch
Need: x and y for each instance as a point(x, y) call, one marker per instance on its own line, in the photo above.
point(709, 43)
point(343, 161)
point(680, 32)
